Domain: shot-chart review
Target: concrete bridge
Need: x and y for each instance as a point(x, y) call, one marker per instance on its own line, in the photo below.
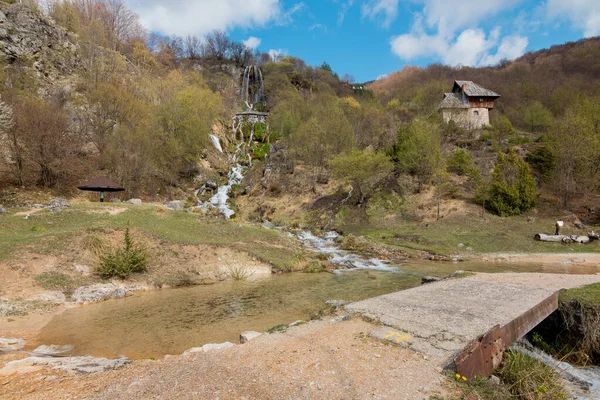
point(466, 324)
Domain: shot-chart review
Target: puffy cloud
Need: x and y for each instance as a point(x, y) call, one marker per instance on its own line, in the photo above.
point(252, 42)
point(511, 47)
point(447, 30)
point(198, 17)
point(471, 47)
point(446, 16)
point(582, 14)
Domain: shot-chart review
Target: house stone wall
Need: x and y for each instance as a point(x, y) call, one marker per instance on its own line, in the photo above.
point(467, 118)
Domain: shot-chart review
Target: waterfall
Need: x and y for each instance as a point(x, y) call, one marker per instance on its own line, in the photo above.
point(252, 92)
point(216, 142)
point(253, 87)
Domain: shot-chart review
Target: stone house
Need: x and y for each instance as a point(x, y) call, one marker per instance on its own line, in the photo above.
point(468, 105)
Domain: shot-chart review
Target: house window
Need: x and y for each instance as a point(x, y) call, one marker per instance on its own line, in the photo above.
point(476, 113)
point(481, 99)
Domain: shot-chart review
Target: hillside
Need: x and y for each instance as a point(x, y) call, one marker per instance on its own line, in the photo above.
point(555, 77)
point(82, 98)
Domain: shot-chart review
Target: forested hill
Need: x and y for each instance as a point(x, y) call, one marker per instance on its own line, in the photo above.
point(555, 77)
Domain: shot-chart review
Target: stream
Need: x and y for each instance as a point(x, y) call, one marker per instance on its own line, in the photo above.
point(170, 321)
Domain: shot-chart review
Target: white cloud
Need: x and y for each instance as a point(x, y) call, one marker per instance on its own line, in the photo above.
point(446, 16)
point(252, 42)
point(277, 54)
point(346, 5)
point(472, 47)
point(382, 77)
point(198, 17)
point(388, 8)
point(582, 14)
point(448, 30)
point(511, 47)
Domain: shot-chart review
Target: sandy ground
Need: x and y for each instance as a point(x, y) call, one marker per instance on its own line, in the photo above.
point(330, 359)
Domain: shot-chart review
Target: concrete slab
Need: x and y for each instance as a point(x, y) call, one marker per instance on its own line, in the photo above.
point(442, 318)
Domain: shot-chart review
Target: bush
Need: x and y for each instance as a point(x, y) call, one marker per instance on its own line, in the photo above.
point(513, 189)
point(460, 162)
point(122, 262)
point(542, 160)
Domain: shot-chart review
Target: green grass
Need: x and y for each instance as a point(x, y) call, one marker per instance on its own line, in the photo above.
point(49, 233)
point(529, 379)
point(586, 295)
point(490, 235)
point(55, 280)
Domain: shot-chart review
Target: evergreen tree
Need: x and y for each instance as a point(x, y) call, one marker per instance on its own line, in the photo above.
point(513, 189)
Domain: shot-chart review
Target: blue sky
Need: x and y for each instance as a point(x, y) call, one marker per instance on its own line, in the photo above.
point(371, 38)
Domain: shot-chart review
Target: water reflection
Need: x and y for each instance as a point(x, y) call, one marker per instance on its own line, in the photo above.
point(170, 321)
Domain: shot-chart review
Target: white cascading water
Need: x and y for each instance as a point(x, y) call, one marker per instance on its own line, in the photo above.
point(219, 200)
point(252, 92)
point(584, 382)
point(351, 262)
point(216, 142)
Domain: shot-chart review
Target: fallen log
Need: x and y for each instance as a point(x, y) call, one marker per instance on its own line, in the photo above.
point(562, 238)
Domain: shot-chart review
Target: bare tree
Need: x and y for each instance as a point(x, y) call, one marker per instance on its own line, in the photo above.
point(192, 47)
point(122, 24)
point(216, 46)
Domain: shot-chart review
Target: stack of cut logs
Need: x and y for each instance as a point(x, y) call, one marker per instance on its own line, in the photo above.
point(567, 238)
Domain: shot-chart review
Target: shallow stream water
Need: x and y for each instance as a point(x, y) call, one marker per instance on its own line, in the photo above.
point(171, 321)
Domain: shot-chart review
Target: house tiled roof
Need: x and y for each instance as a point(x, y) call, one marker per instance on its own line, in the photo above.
point(453, 100)
point(474, 90)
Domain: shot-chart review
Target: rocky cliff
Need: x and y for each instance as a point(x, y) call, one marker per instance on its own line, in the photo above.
point(32, 40)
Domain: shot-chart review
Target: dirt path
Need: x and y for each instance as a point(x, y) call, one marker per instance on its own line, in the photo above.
point(542, 258)
point(330, 359)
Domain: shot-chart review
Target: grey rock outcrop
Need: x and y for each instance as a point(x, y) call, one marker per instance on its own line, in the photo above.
point(247, 336)
point(101, 292)
point(72, 365)
point(31, 36)
point(8, 345)
point(52, 350)
point(176, 205)
point(135, 202)
point(58, 204)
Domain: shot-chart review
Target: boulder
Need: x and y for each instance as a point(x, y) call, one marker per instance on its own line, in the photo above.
point(115, 201)
point(176, 205)
point(247, 336)
point(11, 344)
point(58, 204)
point(3, 210)
point(135, 202)
point(211, 185)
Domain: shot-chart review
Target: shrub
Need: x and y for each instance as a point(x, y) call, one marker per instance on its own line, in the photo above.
point(122, 262)
point(513, 189)
point(542, 160)
point(460, 162)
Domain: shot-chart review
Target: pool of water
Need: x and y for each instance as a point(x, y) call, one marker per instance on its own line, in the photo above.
point(171, 321)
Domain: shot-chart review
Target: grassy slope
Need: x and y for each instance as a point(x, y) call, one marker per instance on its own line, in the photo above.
point(47, 232)
point(485, 235)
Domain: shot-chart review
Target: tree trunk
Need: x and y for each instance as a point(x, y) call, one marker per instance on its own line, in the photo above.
point(562, 238)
